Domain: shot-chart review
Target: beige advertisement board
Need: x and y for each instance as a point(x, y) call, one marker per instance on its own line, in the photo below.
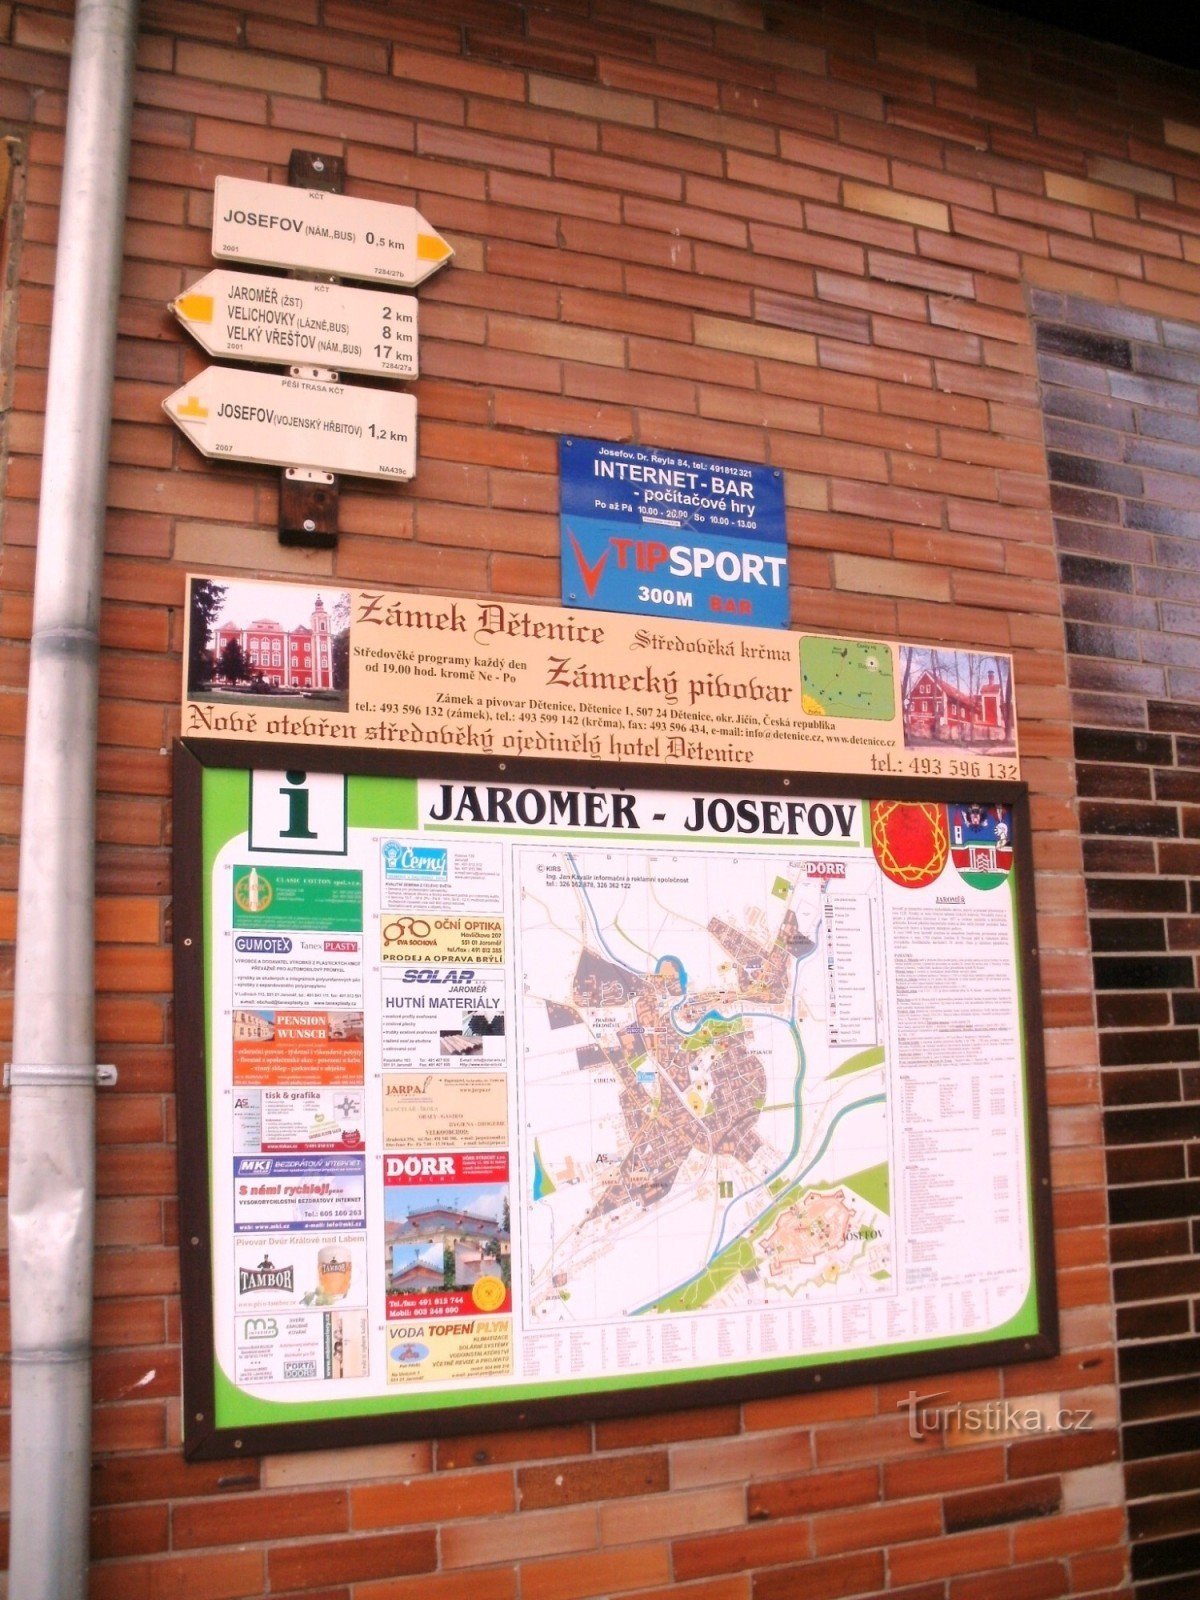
point(376, 669)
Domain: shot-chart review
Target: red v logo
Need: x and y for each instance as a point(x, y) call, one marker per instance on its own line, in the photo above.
point(590, 575)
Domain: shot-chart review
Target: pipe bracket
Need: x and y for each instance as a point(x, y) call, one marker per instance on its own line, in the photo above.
point(59, 1355)
point(53, 1075)
point(72, 643)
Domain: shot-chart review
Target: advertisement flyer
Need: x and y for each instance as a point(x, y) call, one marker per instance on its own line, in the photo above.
point(702, 1084)
point(283, 1120)
point(297, 1193)
point(279, 1047)
point(300, 1349)
point(278, 971)
point(285, 1273)
point(421, 1109)
point(372, 669)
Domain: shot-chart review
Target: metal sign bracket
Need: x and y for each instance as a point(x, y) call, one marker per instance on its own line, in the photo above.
point(308, 497)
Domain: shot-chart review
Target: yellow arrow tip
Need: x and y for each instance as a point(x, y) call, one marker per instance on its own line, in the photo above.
point(191, 407)
point(195, 307)
point(432, 247)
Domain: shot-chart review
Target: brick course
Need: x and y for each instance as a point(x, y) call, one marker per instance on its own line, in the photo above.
point(778, 231)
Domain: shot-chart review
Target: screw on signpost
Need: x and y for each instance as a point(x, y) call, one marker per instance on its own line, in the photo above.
point(308, 499)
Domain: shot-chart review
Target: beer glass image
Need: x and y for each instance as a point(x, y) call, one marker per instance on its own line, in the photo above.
point(333, 1271)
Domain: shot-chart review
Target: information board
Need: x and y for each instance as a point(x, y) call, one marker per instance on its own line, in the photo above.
point(661, 533)
point(509, 1092)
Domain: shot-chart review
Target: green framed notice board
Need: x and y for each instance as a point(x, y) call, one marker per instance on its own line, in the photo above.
point(515, 1092)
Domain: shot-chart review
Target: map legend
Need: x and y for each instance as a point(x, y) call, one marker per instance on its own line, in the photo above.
point(853, 1012)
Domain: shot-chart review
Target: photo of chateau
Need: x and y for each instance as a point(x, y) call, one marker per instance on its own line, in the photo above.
point(248, 642)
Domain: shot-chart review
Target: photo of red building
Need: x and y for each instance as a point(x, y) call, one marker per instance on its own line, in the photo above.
point(937, 710)
point(288, 658)
point(953, 697)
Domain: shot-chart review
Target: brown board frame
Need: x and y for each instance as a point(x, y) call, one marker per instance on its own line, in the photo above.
point(205, 1440)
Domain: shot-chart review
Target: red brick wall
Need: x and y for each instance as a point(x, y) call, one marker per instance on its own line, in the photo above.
point(797, 235)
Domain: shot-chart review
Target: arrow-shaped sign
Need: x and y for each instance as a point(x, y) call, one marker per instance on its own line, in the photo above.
point(276, 226)
point(295, 322)
point(294, 422)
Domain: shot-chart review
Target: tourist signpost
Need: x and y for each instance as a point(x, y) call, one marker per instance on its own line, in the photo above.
point(291, 421)
point(320, 232)
point(309, 423)
point(253, 317)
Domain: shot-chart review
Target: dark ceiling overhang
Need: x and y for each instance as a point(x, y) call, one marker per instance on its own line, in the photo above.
point(1159, 29)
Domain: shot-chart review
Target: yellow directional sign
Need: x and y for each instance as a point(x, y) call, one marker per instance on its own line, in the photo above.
point(276, 226)
point(294, 322)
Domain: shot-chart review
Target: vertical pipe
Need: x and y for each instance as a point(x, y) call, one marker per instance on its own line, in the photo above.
point(52, 1158)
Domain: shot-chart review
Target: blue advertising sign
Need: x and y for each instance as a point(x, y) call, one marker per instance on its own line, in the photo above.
point(672, 535)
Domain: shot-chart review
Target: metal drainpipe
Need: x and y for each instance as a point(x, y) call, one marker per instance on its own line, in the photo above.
point(53, 1074)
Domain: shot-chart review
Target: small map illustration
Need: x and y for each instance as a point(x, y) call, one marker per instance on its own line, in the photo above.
point(847, 678)
point(699, 1138)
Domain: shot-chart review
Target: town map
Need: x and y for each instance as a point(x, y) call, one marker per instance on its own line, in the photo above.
point(699, 1134)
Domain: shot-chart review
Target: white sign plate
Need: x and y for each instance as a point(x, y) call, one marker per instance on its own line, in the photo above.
point(275, 226)
point(297, 323)
point(293, 422)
